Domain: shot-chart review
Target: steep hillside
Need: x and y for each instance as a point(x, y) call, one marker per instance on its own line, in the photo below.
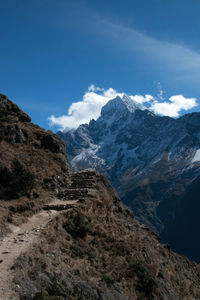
point(186, 221)
point(97, 250)
point(69, 235)
point(32, 165)
point(149, 160)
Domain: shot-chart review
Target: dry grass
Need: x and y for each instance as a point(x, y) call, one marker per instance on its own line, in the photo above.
point(116, 258)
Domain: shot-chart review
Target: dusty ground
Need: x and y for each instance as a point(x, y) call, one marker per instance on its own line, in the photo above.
point(20, 240)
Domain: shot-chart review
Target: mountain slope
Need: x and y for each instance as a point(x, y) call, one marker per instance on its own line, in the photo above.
point(32, 161)
point(147, 158)
point(99, 251)
point(70, 235)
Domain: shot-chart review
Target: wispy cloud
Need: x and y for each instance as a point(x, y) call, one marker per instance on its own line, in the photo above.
point(142, 99)
point(171, 59)
point(176, 60)
point(95, 98)
point(161, 92)
point(174, 106)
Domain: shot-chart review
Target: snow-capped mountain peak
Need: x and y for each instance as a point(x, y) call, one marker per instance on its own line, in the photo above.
point(120, 104)
point(152, 161)
point(131, 104)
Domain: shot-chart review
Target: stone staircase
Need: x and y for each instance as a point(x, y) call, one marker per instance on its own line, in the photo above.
point(81, 185)
point(59, 205)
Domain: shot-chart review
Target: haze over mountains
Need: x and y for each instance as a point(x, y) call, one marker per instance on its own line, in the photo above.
point(152, 161)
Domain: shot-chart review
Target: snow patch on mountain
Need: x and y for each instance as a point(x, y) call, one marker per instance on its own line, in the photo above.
point(121, 104)
point(131, 104)
point(196, 156)
point(88, 156)
point(127, 136)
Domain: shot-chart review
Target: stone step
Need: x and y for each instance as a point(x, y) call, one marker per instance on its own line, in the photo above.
point(78, 177)
point(58, 206)
point(75, 179)
point(78, 186)
point(75, 192)
point(75, 195)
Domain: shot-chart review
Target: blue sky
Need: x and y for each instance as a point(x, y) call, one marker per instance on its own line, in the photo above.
point(53, 50)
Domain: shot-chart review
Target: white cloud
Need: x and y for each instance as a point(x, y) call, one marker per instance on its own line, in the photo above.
point(175, 105)
point(161, 92)
point(142, 99)
point(89, 107)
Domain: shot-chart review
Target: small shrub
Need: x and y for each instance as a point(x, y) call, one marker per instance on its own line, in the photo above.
point(59, 291)
point(6, 183)
point(4, 115)
point(76, 251)
point(44, 296)
point(78, 225)
point(5, 176)
point(2, 133)
point(15, 181)
point(23, 179)
point(146, 283)
point(108, 280)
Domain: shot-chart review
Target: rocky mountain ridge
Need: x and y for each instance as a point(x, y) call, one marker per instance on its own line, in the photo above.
point(67, 235)
point(149, 159)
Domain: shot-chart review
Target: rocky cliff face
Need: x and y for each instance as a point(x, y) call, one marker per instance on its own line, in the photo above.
point(70, 235)
point(149, 159)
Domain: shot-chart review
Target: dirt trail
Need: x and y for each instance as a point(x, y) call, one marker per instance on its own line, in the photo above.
point(13, 245)
point(20, 240)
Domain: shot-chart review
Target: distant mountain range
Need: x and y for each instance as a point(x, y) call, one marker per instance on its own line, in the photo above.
point(152, 161)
